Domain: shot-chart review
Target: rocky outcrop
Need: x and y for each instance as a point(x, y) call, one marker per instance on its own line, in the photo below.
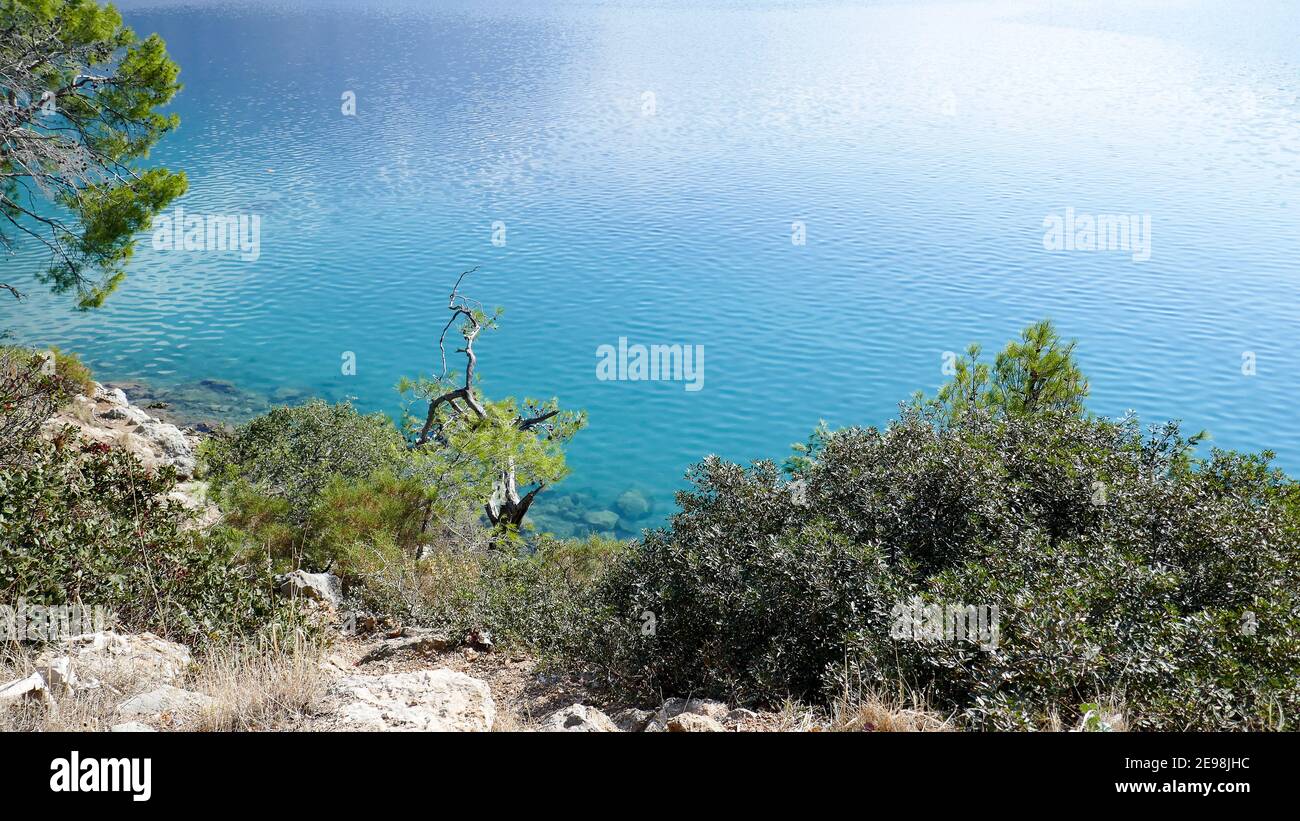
point(109, 418)
point(427, 700)
point(692, 723)
point(673, 708)
point(166, 704)
point(578, 718)
point(83, 661)
point(322, 587)
point(92, 660)
point(419, 643)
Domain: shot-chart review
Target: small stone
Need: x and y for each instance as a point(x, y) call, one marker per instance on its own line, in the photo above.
point(578, 718)
point(300, 584)
point(31, 688)
point(480, 640)
point(163, 702)
point(693, 723)
point(59, 675)
point(633, 720)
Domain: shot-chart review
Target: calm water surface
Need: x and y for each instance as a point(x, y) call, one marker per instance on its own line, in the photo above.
point(922, 145)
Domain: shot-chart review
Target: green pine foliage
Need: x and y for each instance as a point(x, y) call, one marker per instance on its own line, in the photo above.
point(80, 108)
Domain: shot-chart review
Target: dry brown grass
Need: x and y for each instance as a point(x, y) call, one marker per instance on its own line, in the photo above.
point(860, 712)
point(86, 710)
point(265, 684)
point(868, 712)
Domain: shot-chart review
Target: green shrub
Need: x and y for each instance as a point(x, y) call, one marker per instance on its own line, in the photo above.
point(33, 385)
point(1122, 568)
point(293, 453)
point(530, 599)
point(384, 509)
point(744, 598)
point(1119, 567)
point(86, 524)
point(272, 476)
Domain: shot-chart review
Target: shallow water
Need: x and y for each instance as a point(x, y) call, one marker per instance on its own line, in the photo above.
point(921, 145)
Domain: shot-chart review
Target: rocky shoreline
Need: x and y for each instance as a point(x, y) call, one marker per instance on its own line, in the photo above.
point(108, 417)
point(163, 426)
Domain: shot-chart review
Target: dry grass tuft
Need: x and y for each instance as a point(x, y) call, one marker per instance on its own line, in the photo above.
point(860, 712)
point(866, 714)
point(264, 685)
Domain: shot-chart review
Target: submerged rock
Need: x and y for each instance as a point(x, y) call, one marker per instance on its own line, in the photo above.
point(633, 505)
point(219, 386)
point(602, 519)
point(556, 526)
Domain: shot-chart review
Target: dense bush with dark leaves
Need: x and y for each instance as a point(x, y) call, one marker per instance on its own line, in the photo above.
point(292, 453)
point(1122, 567)
point(33, 385)
point(83, 523)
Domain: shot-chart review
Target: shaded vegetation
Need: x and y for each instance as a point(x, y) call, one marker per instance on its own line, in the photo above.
point(90, 524)
point(1123, 566)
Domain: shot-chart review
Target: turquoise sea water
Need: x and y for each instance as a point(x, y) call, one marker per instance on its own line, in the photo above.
point(649, 161)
